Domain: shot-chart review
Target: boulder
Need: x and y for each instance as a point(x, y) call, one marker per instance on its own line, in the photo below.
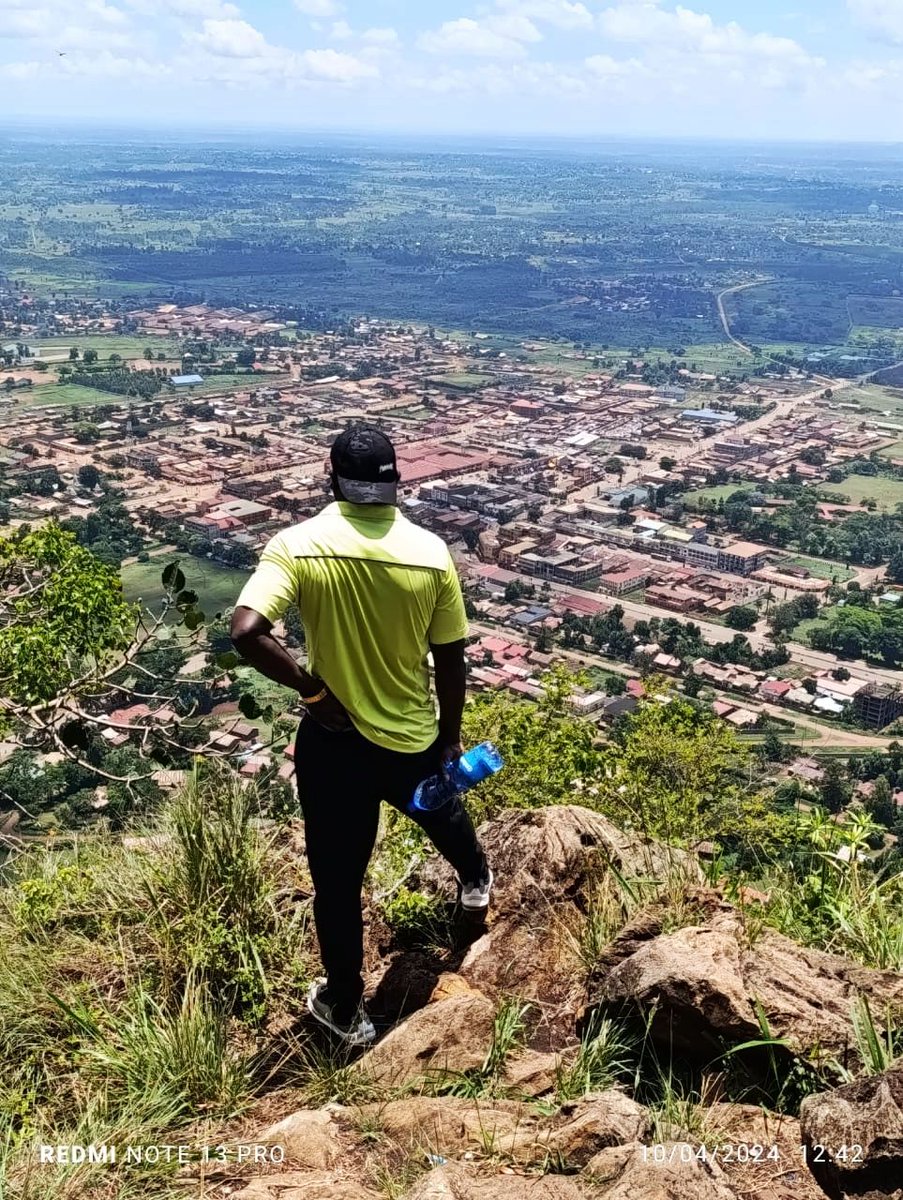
point(304, 1185)
point(609, 1118)
point(781, 1172)
point(704, 982)
point(854, 1137)
point(531, 1073)
point(543, 860)
point(454, 1183)
point(451, 1125)
point(449, 1036)
point(626, 1173)
point(310, 1138)
point(543, 856)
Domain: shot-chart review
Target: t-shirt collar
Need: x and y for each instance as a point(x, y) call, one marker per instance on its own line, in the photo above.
point(364, 512)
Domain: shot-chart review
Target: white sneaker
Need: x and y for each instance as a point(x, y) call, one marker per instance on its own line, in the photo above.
point(359, 1033)
point(475, 896)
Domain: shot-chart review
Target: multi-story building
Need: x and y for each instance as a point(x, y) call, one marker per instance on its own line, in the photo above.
point(879, 704)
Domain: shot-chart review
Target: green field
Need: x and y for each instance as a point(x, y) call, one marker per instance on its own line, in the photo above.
point(820, 568)
point(463, 381)
point(65, 393)
point(875, 398)
point(888, 492)
point(717, 493)
point(126, 345)
point(230, 383)
point(217, 586)
point(894, 451)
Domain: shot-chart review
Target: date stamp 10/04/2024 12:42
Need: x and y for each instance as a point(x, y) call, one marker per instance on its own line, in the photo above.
point(661, 1154)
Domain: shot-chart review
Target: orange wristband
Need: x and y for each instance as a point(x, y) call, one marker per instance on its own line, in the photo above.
point(321, 695)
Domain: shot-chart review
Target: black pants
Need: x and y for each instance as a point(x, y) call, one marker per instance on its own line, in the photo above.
point(342, 777)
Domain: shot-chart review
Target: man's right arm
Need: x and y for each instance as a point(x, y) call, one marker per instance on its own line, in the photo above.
point(451, 690)
point(447, 638)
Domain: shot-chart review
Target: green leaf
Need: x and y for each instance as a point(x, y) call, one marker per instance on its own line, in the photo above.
point(169, 574)
point(248, 706)
point(193, 618)
point(187, 597)
point(228, 661)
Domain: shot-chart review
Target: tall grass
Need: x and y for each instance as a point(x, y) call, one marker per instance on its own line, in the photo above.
point(134, 985)
point(603, 1059)
point(834, 899)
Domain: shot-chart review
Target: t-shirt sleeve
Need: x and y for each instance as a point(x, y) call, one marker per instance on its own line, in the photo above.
point(273, 586)
point(449, 623)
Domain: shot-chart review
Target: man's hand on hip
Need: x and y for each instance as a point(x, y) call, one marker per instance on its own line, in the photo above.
point(330, 712)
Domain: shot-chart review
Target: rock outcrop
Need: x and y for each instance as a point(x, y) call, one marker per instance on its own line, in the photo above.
point(453, 1183)
point(631, 1173)
point(544, 860)
point(705, 983)
point(309, 1137)
point(304, 1185)
point(854, 1137)
point(451, 1035)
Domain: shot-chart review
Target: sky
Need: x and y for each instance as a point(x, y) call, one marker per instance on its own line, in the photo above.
point(739, 69)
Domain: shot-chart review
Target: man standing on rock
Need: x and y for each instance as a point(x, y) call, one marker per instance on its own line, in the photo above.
point(376, 593)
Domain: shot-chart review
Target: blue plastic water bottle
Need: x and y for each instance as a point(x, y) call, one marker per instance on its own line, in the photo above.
point(471, 768)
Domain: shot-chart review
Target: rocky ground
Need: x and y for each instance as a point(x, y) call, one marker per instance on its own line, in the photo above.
point(719, 1003)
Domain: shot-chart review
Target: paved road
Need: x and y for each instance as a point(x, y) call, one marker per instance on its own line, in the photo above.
point(722, 312)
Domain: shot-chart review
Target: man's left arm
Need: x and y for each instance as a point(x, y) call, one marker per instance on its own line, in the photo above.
point(263, 600)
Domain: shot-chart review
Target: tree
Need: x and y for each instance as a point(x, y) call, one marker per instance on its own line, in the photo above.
point(86, 433)
point(89, 356)
point(514, 590)
point(545, 747)
point(881, 803)
point(895, 567)
point(88, 476)
point(246, 356)
point(667, 464)
point(671, 772)
point(614, 466)
point(773, 747)
point(544, 640)
point(835, 788)
point(742, 618)
point(73, 354)
point(615, 685)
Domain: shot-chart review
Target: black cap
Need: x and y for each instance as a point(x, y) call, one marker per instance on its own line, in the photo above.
point(363, 460)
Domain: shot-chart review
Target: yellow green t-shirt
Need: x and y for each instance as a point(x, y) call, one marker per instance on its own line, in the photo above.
point(374, 590)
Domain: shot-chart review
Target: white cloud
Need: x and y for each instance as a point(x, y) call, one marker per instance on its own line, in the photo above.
point(231, 39)
point(686, 35)
point(67, 24)
point(380, 37)
point(337, 68)
point(234, 52)
point(883, 17)
point(501, 36)
point(103, 64)
point(341, 31)
point(603, 66)
point(561, 13)
point(318, 8)
point(185, 9)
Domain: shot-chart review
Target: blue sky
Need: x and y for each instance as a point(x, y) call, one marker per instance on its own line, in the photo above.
point(804, 69)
